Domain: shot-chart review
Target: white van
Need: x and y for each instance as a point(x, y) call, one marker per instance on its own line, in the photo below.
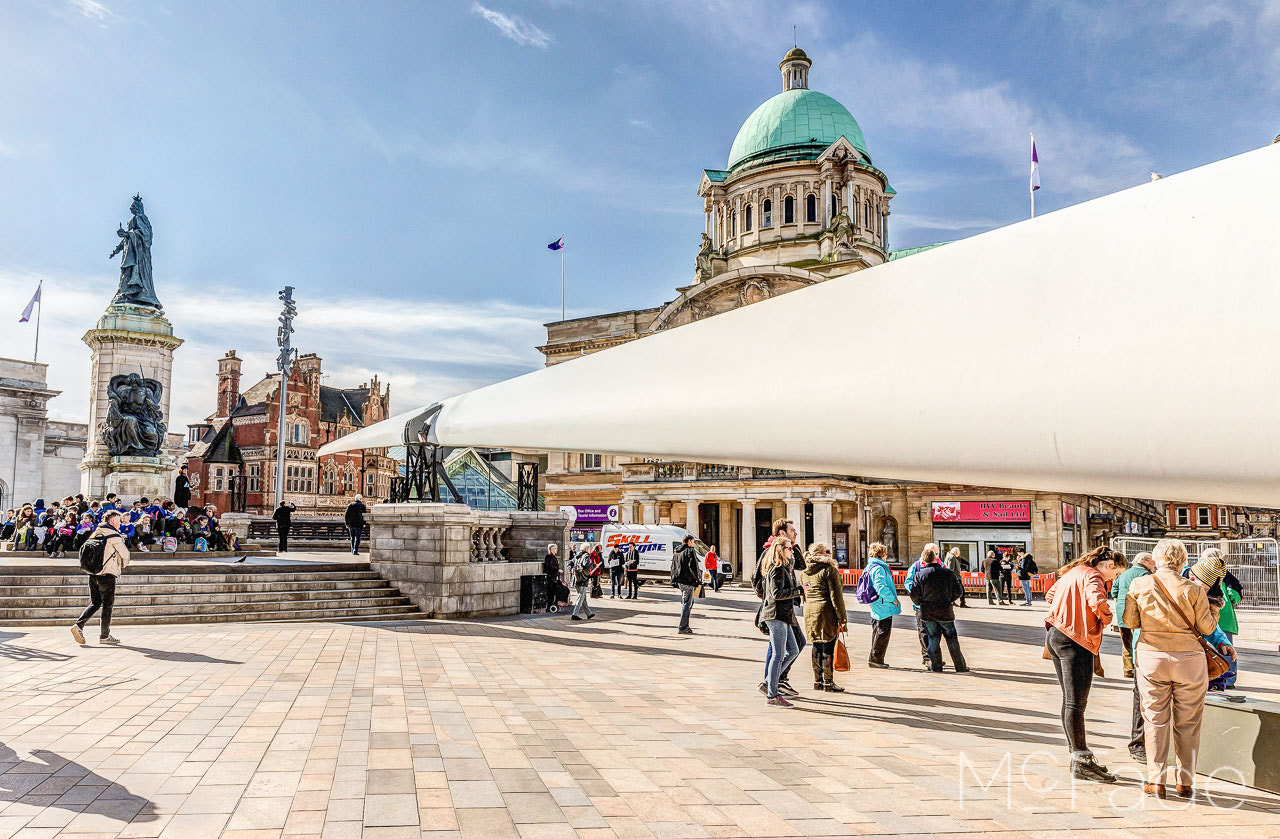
point(657, 544)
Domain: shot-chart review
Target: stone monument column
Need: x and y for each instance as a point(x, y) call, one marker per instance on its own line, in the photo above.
point(132, 370)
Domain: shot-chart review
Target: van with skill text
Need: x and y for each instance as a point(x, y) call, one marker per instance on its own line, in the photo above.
point(657, 544)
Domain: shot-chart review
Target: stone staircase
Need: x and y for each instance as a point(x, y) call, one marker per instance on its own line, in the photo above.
point(179, 592)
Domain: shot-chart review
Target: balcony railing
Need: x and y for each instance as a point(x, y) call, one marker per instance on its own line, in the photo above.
point(668, 471)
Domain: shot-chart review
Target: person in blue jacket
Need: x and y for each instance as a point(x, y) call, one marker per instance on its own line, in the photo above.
point(884, 607)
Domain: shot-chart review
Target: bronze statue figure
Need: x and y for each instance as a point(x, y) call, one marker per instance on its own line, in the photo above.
point(134, 423)
point(136, 285)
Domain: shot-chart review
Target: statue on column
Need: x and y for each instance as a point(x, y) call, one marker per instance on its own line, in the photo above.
point(137, 287)
point(134, 424)
point(703, 262)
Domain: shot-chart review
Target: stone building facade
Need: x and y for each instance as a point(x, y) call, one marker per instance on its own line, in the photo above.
point(798, 203)
point(39, 457)
point(1205, 521)
point(237, 444)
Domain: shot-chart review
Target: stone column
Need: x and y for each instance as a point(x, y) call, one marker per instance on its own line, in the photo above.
point(627, 512)
point(726, 539)
point(825, 212)
point(691, 516)
point(748, 560)
point(822, 530)
point(649, 512)
point(795, 512)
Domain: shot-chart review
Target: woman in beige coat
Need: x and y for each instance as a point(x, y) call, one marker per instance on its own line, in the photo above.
point(1170, 614)
point(824, 613)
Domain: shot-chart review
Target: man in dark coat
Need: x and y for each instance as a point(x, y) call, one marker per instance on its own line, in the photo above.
point(182, 487)
point(686, 572)
point(355, 522)
point(284, 520)
point(935, 590)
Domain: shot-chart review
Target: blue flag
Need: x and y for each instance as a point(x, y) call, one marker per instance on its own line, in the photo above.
point(556, 245)
point(35, 298)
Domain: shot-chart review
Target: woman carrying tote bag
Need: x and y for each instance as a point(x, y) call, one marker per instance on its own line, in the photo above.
point(1171, 614)
point(824, 614)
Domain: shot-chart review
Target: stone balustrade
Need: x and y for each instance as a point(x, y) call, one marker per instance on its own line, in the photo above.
point(455, 562)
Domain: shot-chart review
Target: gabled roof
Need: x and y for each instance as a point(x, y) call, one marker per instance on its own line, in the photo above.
point(334, 402)
point(715, 175)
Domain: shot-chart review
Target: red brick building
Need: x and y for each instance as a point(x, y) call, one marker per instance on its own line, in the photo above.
point(1204, 521)
point(237, 443)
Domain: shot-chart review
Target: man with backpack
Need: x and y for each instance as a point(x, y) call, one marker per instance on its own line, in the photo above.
point(580, 573)
point(103, 556)
point(354, 518)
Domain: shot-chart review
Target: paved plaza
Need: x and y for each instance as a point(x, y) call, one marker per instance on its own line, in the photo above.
point(541, 728)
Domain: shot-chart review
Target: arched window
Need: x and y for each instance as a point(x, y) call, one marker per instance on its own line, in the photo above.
point(866, 214)
point(811, 208)
point(349, 479)
point(835, 205)
point(330, 480)
point(766, 213)
point(746, 228)
point(733, 224)
point(789, 210)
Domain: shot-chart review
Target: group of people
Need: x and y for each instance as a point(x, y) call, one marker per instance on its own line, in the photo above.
point(63, 526)
point(998, 571)
point(585, 570)
point(1176, 620)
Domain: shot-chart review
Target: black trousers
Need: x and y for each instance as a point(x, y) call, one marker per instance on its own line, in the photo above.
point(797, 629)
point(102, 595)
point(924, 640)
point(1006, 587)
point(633, 585)
point(880, 630)
point(615, 581)
point(282, 532)
point(1074, 666)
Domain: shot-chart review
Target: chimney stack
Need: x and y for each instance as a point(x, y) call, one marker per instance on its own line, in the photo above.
point(228, 383)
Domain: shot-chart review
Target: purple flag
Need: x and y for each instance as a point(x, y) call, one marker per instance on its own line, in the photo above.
point(558, 244)
point(1035, 165)
point(35, 298)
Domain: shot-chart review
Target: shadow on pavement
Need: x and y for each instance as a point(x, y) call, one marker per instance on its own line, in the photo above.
point(177, 655)
point(50, 780)
point(16, 652)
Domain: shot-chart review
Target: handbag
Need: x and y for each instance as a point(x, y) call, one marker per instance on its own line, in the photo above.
point(1215, 661)
point(698, 591)
point(841, 662)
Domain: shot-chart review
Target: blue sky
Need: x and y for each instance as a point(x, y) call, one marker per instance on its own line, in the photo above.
point(404, 164)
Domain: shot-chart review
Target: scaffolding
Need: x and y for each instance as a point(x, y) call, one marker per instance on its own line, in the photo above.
point(1255, 562)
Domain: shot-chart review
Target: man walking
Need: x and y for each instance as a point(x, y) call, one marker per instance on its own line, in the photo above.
point(284, 520)
point(929, 554)
point(686, 573)
point(580, 573)
point(104, 557)
point(956, 564)
point(934, 592)
point(632, 559)
point(991, 576)
point(355, 522)
point(1026, 570)
point(614, 563)
point(713, 568)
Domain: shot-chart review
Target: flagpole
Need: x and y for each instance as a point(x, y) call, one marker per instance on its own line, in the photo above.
point(1033, 192)
point(35, 355)
point(562, 281)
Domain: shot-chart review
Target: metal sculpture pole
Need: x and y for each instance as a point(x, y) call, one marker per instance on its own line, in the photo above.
point(284, 363)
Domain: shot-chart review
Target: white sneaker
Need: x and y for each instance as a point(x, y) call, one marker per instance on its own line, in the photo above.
point(110, 640)
point(77, 633)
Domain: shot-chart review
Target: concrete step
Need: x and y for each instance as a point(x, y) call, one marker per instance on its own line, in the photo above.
point(129, 618)
point(19, 605)
point(132, 587)
point(72, 610)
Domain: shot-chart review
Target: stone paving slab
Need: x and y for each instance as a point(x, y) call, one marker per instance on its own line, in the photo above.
point(541, 727)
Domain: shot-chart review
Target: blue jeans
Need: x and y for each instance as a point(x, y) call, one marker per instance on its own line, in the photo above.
point(686, 605)
point(1026, 589)
point(1228, 679)
point(782, 651)
point(355, 538)
point(936, 631)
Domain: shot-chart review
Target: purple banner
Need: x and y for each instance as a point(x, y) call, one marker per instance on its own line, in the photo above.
point(592, 513)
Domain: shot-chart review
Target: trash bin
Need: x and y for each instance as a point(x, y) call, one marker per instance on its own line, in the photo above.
point(533, 594)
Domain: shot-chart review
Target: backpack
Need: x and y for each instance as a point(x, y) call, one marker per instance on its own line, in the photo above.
point(201, 544)
point(169, 545)
point(866, 590)
point(580, 575)
point(93, 554)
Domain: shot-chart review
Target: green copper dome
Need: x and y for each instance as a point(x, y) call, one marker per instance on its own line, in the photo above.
point(796, 124)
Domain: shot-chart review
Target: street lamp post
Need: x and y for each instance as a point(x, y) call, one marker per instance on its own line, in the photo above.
point(284, 363)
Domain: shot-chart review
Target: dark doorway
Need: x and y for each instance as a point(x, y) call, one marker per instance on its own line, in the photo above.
point(709, 524)
point(764, 529)
point(807, 530)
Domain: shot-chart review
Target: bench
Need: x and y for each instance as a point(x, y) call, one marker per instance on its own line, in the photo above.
point(305, 532)
point(1240, 742)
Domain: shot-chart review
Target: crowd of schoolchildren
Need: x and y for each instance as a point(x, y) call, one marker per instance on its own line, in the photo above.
point(61, 527)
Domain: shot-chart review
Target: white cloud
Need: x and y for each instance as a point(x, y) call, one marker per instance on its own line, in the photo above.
point(426, 350)
point(957, 224)
point(515, 28)
point(90, 9)
point(7, 150)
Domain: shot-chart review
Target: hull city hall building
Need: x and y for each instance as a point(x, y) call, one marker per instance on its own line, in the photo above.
point(799, 202)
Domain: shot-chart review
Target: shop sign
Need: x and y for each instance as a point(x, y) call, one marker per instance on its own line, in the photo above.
point(1070, 514)
point(981, 512)
point(591, 513)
